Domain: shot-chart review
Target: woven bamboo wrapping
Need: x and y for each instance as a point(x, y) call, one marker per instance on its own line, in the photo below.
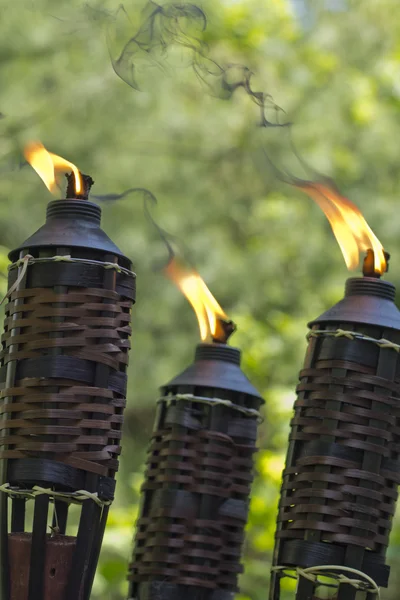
point(63, 372)
point(79, 425)
point(195, 499)
point(340, 481)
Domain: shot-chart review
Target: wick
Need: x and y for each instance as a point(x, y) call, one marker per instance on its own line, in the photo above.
point(86, 181)
point(224, 331)
point(369, 264)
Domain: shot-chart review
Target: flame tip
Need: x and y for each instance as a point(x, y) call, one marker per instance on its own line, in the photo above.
point(214, 324)
point(351, 230)
point(46, 164)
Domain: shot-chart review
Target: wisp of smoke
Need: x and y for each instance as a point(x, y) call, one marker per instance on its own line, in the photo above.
point(214, 324)
point(13, 165)
point(149, 202)
point(161, 28)
point(182, 25)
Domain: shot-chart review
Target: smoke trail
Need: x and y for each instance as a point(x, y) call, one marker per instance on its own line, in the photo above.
point(214, 324)
point(350, 228)
point(182, 26)
point(13, 165)
point(179, 270)
point(112, 197)
point(161, 28)
point(149, 202)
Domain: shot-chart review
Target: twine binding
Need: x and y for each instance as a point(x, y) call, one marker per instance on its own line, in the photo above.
point(353, 335)
point(248, 412)
point(70, 497)
point(363, 582)
point(29, 260)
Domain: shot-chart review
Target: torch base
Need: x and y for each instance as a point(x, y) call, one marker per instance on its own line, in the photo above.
point(58, 561)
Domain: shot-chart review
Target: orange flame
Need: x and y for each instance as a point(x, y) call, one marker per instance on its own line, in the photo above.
point(349, 226)
point(208, 312)
point(46, 164)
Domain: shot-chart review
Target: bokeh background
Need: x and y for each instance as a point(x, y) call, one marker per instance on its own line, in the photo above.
point(265, 250)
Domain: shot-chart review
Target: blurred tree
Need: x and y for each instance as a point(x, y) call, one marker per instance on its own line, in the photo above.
point(265, 250)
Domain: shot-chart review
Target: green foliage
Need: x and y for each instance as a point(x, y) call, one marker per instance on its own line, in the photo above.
point(265, 250)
